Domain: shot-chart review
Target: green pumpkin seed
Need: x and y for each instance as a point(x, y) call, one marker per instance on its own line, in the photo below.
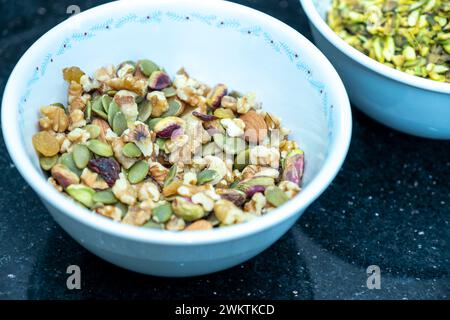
point(152, 123)
point(139, 99)
point(162, 213)
point(106, 101)
point(48, 162)
point(175, 108)
point(160, 142)
point(275, 196)
point(242, 159)
point(206, 176)
point(111, 93)
point(148, 67)
point(169, 92)
point(130, 150)
point(81, 156)
point(96, 206)
point(234, 184)
point(82, 194)
point(100, 148)
point(58, 104)
point(122, 207)
point(113, 109)
point(171, 175)
point(97, 108)
point(105, 197)
point(153, 225)
point(88, 111)
point(235, 94)
point(145, 110)
point(228, 144)
point(119, 123)
point(94, 130)
point(67, 160)
point(138, 172)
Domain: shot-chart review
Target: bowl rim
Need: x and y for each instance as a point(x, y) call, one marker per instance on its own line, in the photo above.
point(337, 152)
point(400, 76)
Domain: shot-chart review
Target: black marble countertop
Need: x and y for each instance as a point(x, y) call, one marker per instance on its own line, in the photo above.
point(389, 206)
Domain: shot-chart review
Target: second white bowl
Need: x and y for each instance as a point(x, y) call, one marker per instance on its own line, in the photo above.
point(401, 101)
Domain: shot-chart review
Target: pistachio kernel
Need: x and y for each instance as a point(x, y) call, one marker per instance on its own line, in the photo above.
point(159, 80)
point(215, 96)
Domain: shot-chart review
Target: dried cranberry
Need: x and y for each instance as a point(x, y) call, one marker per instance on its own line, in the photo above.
point(107, 168)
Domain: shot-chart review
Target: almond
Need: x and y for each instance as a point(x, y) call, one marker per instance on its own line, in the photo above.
point(255, 126)
point(199, 225)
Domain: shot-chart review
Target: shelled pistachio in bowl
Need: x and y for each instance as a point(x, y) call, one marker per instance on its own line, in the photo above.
point(412, 36)
point(141, 148)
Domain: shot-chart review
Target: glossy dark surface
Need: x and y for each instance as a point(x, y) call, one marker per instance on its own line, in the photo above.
point(389, 206)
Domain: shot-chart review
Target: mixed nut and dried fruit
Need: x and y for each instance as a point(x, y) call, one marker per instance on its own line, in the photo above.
point(141, 148)
point(412, 36)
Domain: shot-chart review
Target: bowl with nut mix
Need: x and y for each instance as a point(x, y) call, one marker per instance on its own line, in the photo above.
point(175, 138)
point(393, 56)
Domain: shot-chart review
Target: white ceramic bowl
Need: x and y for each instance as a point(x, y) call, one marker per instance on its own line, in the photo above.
point(215, 41)
point(401, 101)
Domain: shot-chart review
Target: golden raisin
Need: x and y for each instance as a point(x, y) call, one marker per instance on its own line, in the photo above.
point(72, 74)
point(45, 143)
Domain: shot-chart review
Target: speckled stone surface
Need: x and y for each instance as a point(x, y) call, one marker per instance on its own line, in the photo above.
point(389, 206)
